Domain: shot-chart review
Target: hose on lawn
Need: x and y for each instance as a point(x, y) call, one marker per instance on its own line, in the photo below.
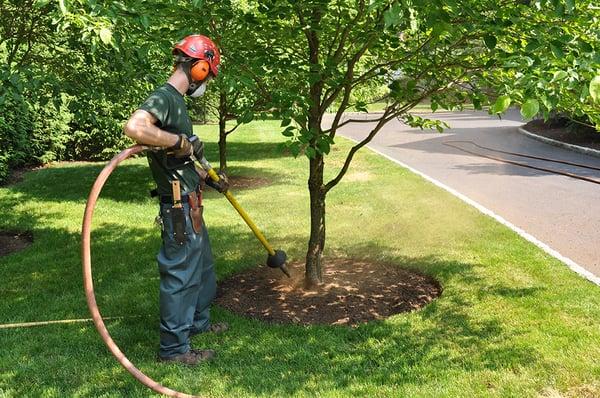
point(567, 174)
point(89, 284)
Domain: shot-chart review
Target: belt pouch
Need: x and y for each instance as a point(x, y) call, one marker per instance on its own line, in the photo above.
point(178, 215)
point(195, 201)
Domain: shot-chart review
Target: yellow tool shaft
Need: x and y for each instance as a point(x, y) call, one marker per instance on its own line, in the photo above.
point(215, 177)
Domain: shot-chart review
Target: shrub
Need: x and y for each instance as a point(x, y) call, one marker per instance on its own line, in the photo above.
point(15, 127)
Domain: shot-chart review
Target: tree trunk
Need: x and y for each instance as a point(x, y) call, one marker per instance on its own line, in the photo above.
point(316, 243)
point(223, 131)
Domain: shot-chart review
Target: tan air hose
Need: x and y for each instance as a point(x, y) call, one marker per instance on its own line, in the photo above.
point(89, 284)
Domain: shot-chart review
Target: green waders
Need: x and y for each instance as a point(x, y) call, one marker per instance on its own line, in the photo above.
point(187, 284)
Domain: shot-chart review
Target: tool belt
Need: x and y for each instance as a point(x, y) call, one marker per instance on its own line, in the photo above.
point(185, 198)
point(194, 199)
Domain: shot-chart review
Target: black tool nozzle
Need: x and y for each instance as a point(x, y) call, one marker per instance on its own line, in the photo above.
point(277, 260)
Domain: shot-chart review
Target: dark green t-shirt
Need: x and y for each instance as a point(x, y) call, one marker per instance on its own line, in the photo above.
point(167, 105)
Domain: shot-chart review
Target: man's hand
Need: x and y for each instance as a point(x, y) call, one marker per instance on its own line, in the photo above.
point(222, 185)
point(183, 148)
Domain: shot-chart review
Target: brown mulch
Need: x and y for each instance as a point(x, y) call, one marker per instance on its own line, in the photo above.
point(12, 241)
point(354, 292)
point(558, 129)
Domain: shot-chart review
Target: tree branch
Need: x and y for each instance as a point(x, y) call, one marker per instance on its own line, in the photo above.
point(380, 123)
point(233, 129)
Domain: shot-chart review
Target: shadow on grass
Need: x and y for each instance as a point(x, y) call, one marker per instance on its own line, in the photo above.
point(128, 183)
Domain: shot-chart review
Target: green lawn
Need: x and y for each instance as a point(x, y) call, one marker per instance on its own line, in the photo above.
point(511, 322)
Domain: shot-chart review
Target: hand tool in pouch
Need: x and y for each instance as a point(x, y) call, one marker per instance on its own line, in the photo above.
point(177, 214)
point(195, 201)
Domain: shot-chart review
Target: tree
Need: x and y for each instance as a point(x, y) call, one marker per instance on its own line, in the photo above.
point(239, 93)
point(439, 50)
point(236, 90)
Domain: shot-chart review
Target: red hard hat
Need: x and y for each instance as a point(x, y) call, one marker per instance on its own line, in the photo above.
point(200, 47)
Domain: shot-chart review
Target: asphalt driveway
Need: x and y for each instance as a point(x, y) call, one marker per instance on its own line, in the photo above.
point(562, 212)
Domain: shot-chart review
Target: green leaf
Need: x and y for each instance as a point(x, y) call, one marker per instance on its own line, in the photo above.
point(310, 152)
point(41, 3)
point(595, 88)
point(585, 47)
point(295, 148)
point(393, 16)
point(303, 137)
point(559, 75)
point(570, 6)
point(585, 91)
point(245, 117)
point(63, 7)
point(532, 46)
point(556, 51)
point(490, 41)
point(530, 108)
point(501, 104)
point(414, 20)
point(288, 132)
point(105, 35)
point(323, 147)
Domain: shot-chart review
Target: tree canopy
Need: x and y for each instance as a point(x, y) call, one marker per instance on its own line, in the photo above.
point(73, 71)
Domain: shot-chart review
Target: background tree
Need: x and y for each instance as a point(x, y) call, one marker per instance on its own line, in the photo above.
point(551, 64)
point(237, 91)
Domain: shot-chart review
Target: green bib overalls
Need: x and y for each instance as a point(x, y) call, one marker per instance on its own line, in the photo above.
point(187, 276)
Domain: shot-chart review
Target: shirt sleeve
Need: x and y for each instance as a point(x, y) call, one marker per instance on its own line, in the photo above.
point(158, 105)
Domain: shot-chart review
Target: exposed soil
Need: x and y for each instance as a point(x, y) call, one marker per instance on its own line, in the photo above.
point(16, 175)
point(559, 129)
point(12, 241)
point(243, 182)
point(354, 292)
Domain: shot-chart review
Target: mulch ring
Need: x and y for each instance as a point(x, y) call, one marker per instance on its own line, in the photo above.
point(353, 292)
point(557, 129)
point(16, 175)
point(12, 241)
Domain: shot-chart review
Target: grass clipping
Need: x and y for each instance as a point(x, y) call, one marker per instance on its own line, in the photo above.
point(353, 292)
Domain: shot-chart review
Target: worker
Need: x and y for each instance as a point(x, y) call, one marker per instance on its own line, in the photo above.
point(185, 260)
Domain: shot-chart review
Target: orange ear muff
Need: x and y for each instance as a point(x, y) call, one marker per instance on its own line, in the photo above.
point(200, 70)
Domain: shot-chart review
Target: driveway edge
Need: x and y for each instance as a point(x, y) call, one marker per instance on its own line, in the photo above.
point(571, 147)
point(567, 261)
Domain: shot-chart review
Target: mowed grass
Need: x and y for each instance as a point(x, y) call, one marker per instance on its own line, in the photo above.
point(511, 322)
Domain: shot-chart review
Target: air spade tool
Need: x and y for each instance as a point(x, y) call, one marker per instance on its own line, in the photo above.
point(275, 258)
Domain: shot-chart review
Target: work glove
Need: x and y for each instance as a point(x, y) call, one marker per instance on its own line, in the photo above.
point(187, 146)
point(222, 185)
point(183, 148)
